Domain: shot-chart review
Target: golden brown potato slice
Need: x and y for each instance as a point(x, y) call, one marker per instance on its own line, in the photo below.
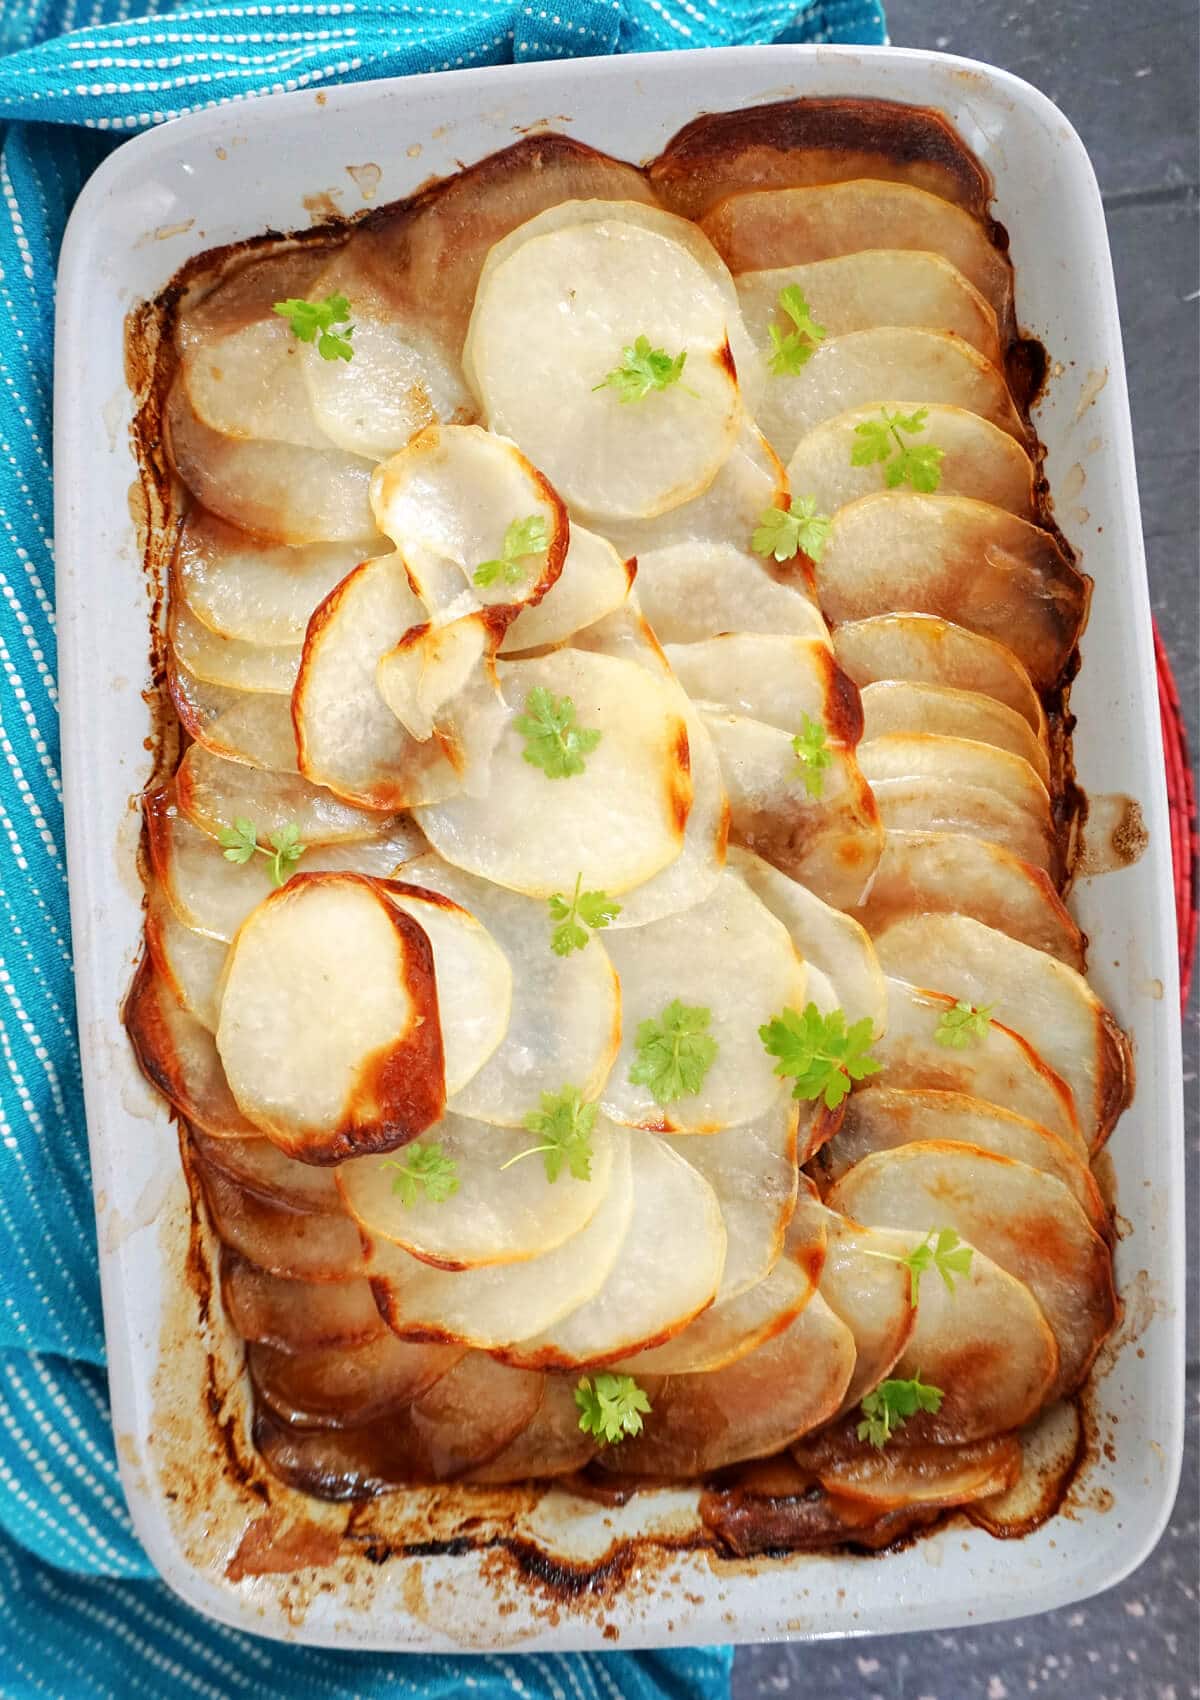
point(179, 1055)
point(551, 1444)
point(214, 792)
point(898, 706)
point(257, 1166)
point(297, 1316)
point(931, 651)
point(732, 1328)
point(189, 962)
point(594, 581)
point(907, 1474)
point(300, 1245)
point(339, 1386)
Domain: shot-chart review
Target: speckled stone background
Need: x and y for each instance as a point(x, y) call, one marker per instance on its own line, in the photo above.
point(1126, 74)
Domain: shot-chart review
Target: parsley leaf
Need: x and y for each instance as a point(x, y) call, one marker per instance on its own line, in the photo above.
point(643, 369)
point(821, 1052)
point(812, 754)
point(240, 842)
point(784, 532)
point(553, 742)
point(674, 1053)
point(889, 1406)
point(564, 1125)
point(611, 1406)
point(327, 323)
point(524, 537)
point(423, 1167)
point(882, 440)
point(795, 348)
point(958, 1026)
point(941, 1249)
point(584, 909)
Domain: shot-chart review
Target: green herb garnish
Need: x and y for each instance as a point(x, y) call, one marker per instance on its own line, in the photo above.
point(563, 1126)
point(575, 915)
point(882, 440)
point(423, 1168)
point(327, 323)
point(240, 843)
point(784, 532)
point(795, 348)
point(524, 537)
point(891, 1404)
point(611, 1406)
point(642, 370)
point(674, 1052)
point(820, 1052)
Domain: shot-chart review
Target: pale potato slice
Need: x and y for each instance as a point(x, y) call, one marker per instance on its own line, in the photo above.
point(998, 1067)
point(615, 824)
point(777, 680)
point(730, 1328)
point(565, 1022)
point(820, 990)
point(297, 1316)
point(1047, 1003)
point(347, 736)
point(1024, 1220)
point(259, 1167)
point(751, 478)
point(228, 661)
point(282, 492)
point(301, 1245)
point(179, 1056)
point(552, 1443)
point(329, 1030)
point(497, 1303)
point(447, 500)
point(552, 320)
point(254, 727)
point(753, 1171)
point(966, 811)
point(256, 592)
point(247, 384)
point(1051, 1446)
point(695, 590)
point(961, 560)
point(941, 872)
point(978, 460)
point(498, 1215)
point(594, 581)
point(872, 1295)
point(931, 651)
point(440, 682)
point(666, 1271)
point(829, 843)
point(826, 938)
point(888, 1116)
point(789, 1386)
point(938, 759)
point(191, 963)
point(214, 793)
point(863, 368)
point(905, 1474)
point(338, 1386)
point(875, 286)
point(731, 957)
point(898, 706)
point(791, 227)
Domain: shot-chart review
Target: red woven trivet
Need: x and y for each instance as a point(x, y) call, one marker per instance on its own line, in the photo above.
point(1181, 799)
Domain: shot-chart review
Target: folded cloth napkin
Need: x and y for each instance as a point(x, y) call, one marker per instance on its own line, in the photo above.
point(80, 1611)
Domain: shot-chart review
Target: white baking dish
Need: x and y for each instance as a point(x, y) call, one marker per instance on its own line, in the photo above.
point(237, 170)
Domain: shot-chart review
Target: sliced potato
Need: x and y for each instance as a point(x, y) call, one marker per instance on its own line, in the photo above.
point(730, 1328)
point(338, 1386)
point(297, 1316)
point(750, 478)
point(777, 680)
point(666, 1271)
point(259, 1167)
point(498, 1215)
point(497, 1303)
point(552, 1443)
point(872, 1295)
point(907, 1474)
point(931, 651)
point(941, 872)
point(961, 560)
point(1032, 994)
point(245, 291)
point(247, 384)
point(440, 682)
point(553, 318)
point(565, 1022)
point(789, 1386)
point(695, 590)
point(329, 1029)
point(1023, 1219)
point(593, 582)
point(731, 957)
point(179, 1056)
point(941, 760)
point(829, 843)
point(190, 962)
point(615, 824)
point(228, 661)
point(897, 706)
point(825, 937)
point(214, 793)
point(254, 727)
point(966, 811)
point(301, 1245)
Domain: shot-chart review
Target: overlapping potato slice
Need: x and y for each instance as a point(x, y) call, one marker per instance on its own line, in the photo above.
point(904, 1474)
point(928, 650)
point(615, 824)
point(190, 962)
point(979, 459)
point(692, 591)
point(826, 938)
point(440, 682)
point(730, 1328)
point(214, 792)
point(751, 478)
point(730, 957)
point(898, 706)
point(1023, 1220)
point(228, 661)
point(998, 1066)
point(496, 1303)
point(247, 384)
point(551, 1444)
point(666, 1270)
point(347, 736)
point(329, 1030)
point(447, 500)
point(259, 1167)
point(950, 872)
point(888, 1116)
point(963, 561)
point(254, 727)
point(594, 581)
point(938, 759)
point(300, 1245)
point(829, 842)
point(565, 1021)
point(923, 806)
point(248, 285)
point(876, 286)
point(337, 1386)
point(789, 1386)
point(297, 1316)
point(255, 592)
point(498, 1215)
point(1033, 994)
point(775, 679)
point(872, 1295)
point(179, 1055)
point(793, 227)
point(551, 321)
point(282, 492)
